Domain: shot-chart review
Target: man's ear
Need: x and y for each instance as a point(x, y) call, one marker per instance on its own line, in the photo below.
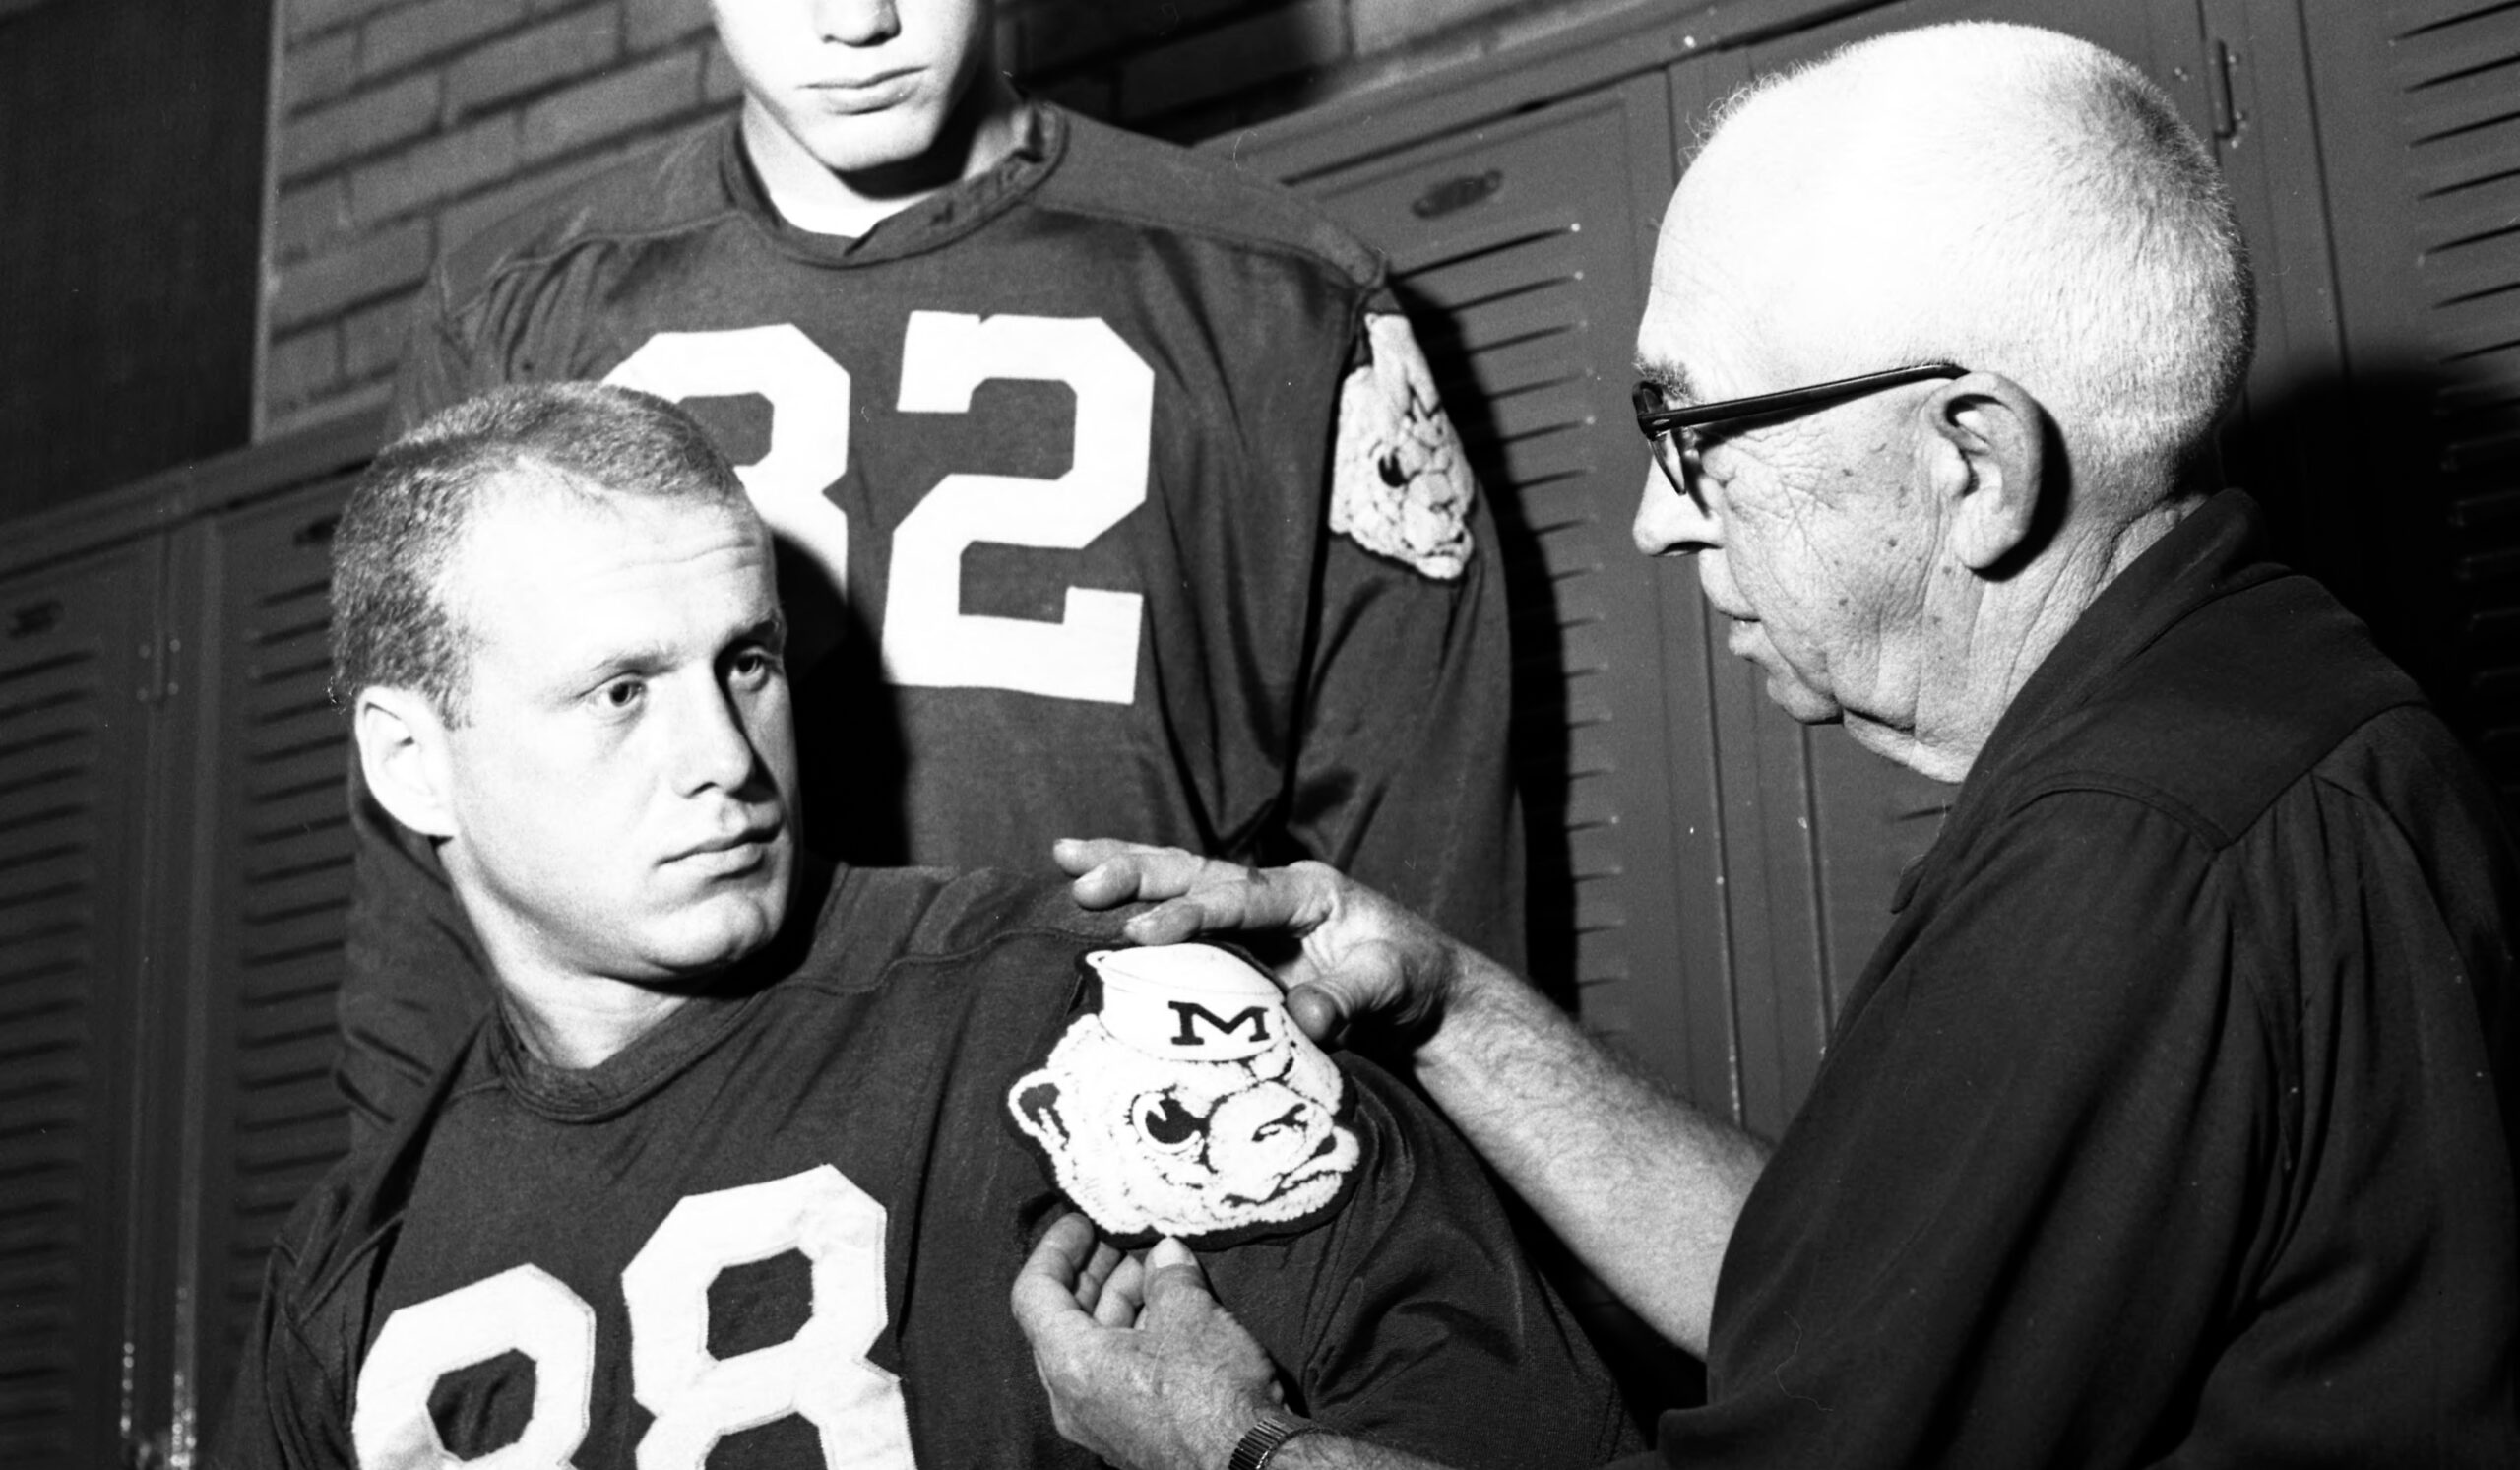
point(402, 750)
point(1994, 462)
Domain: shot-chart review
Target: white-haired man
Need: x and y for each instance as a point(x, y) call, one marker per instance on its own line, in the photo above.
point(2163, 1126)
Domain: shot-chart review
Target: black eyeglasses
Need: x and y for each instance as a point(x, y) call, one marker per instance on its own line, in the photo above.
point(1668, 431)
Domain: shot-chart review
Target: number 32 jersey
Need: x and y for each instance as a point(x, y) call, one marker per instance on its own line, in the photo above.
point(1148, 515)
point(781, 1229)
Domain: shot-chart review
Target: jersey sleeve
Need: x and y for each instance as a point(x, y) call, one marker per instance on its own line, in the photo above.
point(287, 1411)
point(1413, 1319)
point(2009, 1221)
point(1404, 776)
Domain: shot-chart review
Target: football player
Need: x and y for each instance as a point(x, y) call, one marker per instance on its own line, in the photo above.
point(1115, 494)
point(716, 1189)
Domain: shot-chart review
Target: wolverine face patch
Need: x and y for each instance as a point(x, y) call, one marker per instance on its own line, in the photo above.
point(1400, 486)
point(1189, 1105)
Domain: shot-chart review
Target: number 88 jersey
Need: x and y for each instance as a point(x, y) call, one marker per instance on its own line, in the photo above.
point(1115, 497)
point(779, 1229)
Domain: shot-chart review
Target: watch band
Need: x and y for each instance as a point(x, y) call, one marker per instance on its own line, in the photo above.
point(1267, 1436)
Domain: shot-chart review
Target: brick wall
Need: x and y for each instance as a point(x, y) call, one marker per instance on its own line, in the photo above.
point(406, 125)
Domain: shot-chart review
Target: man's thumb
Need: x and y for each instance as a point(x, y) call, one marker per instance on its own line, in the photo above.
point(1173, 1277)
point(1320, 1010)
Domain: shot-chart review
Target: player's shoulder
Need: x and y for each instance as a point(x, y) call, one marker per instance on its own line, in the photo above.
point(666, 190)
point(344, 1226)
point(1160, 186)
point(915, 914)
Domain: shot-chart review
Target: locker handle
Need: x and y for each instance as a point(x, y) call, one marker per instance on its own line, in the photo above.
point(35, 618)
point(1454, 195)
point(2218, 82)
point(318, 531)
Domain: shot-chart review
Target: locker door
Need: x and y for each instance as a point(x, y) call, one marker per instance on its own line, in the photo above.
point(77, 653)
point(271, 889)
point(1520, 246)
point(2419, 113)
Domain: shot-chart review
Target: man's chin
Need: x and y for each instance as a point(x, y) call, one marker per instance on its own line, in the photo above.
point(722, 929)
point(876, 152)
point(691, 958)
point(1802, 702)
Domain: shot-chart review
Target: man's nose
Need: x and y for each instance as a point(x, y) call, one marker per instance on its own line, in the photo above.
point(857, 23)
point(712, 747)
point(1669, 522)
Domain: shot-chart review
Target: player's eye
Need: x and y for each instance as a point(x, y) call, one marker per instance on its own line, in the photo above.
point(621, 694)
point(752, 668)
point(1168, 1122)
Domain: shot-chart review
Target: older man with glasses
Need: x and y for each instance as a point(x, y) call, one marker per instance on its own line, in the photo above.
point(2171, 1122)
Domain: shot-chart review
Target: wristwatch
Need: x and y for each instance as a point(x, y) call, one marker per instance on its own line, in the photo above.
point(1267, 1436)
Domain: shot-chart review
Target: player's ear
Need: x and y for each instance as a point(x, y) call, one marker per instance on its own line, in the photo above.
point(402, 750)
point(1036, 1110)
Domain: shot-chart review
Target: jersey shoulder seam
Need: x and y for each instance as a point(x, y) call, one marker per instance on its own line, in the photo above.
point(1363, 268)
point(524, 248)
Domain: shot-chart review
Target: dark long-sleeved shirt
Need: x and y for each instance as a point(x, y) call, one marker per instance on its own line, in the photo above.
point(2164, 1127)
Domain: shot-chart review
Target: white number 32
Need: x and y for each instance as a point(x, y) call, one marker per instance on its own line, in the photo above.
point(821, 1374)
point(1092, 652)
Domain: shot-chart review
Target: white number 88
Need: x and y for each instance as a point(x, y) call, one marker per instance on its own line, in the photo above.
point(821, 1374)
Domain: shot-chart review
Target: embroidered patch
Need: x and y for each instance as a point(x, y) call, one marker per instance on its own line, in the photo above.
point(1189, 1105)
point(1400, 487)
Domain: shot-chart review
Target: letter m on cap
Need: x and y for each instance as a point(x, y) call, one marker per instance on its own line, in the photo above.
point(1192, 1013)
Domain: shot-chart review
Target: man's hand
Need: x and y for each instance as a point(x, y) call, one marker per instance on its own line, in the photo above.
point(1348, 954)
point(1643, 1186)
point(1142, 1368)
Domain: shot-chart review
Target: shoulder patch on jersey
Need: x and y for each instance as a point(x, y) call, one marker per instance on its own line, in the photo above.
point(1400, 484)
point(1189, 1105)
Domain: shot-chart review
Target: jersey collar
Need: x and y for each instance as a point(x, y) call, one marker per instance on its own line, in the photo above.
point(929, 225)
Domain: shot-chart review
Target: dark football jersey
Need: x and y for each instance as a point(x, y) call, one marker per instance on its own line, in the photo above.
point(781, 1229)
point(1149, 520)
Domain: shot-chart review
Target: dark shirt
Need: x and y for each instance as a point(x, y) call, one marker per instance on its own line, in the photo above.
point(2163, 1128)
point(791, 1215)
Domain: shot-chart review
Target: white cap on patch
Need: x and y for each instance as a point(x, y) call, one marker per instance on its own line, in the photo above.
point(1193, 1001)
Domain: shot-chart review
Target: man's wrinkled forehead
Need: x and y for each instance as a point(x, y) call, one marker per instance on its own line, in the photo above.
point(1759, 266)
point(1698, 309)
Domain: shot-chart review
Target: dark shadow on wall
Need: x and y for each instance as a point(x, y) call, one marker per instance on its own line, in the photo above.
point(1541, 745)
point(2399, 488)
point(849, 727)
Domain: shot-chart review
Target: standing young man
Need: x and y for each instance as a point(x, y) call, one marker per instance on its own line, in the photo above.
point(1116, 492)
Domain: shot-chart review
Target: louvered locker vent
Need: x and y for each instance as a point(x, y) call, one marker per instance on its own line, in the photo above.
point(71, 738)
point(1507, 336)
point(2455, 68)
point(279, 905)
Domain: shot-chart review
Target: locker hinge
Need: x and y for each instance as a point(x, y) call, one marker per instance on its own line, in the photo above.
point(158, 681)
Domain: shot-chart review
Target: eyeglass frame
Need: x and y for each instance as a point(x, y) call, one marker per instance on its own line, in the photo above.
point(1658, 425)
